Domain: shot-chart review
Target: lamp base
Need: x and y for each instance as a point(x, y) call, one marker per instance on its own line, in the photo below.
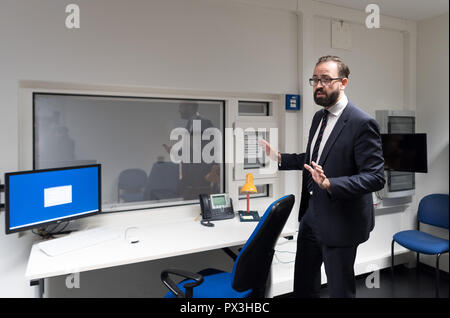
point(251, 216)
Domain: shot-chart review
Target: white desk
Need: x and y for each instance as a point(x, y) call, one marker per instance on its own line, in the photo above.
point(156, 241)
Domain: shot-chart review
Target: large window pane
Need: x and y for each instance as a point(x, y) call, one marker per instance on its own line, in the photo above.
point(130, 137)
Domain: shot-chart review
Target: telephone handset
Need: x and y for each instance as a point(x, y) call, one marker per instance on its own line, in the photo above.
point(216, 207)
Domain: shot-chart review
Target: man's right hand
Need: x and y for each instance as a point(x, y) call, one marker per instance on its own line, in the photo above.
point(272, 153)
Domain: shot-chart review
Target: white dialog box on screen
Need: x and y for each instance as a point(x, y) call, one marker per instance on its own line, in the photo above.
point(57, 196)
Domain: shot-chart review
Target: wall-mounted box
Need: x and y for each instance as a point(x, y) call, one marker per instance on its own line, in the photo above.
point(398, 183)
point(292, 102)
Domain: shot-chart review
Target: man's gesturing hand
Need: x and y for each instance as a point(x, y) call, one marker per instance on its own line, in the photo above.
point(318, 176)
point(270, 151)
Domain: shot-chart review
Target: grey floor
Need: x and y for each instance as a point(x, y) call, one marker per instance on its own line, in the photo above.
point(407, 283)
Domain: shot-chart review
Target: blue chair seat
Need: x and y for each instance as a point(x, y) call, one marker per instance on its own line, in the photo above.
point(209, 288)
point(421, 242)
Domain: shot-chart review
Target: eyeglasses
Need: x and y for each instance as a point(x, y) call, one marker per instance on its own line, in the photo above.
point(324, 80)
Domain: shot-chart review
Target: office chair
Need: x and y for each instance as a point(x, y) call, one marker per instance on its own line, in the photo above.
point(163, 181)
point(250, 269)
point(131, 185)
point(433, 210)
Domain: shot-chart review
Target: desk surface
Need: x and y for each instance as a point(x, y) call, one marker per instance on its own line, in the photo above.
point(155, 242)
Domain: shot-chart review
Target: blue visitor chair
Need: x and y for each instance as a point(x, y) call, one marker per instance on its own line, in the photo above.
point(250, 269)
point(131, 185)
point(433, 210)
point(163, 181)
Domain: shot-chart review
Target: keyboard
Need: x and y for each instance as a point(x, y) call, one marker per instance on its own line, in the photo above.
point(78, 240)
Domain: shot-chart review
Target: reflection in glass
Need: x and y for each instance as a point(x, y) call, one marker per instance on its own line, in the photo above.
point(130, 137)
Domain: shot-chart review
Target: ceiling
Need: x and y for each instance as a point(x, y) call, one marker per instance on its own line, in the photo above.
point(406, 9)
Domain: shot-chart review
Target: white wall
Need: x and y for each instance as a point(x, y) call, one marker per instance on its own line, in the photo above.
point(369, 65)
point(432, 112)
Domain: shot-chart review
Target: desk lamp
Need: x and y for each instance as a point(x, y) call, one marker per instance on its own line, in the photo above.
point(249, 187)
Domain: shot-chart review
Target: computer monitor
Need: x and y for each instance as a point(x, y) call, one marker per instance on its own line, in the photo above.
point(41, 197)
point(405, 152)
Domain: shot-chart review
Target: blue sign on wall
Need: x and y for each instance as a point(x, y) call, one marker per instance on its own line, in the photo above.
point(292, 102)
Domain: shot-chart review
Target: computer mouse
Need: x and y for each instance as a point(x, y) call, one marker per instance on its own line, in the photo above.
point(132, 239)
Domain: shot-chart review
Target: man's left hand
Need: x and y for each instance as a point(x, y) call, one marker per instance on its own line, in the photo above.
point(318, 175)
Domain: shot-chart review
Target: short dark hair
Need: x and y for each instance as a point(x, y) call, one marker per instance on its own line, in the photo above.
point(191, 104)
point(343, 69)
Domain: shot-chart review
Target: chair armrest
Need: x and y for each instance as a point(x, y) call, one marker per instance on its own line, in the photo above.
point(168, 282)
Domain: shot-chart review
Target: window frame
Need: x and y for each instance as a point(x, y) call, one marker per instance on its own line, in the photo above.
point(190, 211)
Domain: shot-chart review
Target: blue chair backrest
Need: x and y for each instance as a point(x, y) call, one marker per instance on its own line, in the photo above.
point(132, 179)
point(433, 210)
point(253, 263)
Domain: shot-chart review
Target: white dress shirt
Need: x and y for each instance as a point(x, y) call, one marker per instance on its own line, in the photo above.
point(335, 112)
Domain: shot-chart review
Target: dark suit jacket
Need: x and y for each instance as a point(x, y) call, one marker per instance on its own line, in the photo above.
point(352, 160)
point(193, 173)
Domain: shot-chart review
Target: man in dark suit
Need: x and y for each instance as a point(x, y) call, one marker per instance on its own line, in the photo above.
point(342, 166)
point(195, 176)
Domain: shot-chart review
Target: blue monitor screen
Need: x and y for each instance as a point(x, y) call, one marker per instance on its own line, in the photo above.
point(38, 197)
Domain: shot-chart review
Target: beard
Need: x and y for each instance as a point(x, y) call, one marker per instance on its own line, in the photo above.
point(327, 100)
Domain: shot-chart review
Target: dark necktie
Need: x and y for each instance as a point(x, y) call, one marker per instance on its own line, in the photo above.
point(315, 152)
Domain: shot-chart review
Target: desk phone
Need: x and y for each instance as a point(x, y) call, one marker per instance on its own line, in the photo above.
point(216, 207)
